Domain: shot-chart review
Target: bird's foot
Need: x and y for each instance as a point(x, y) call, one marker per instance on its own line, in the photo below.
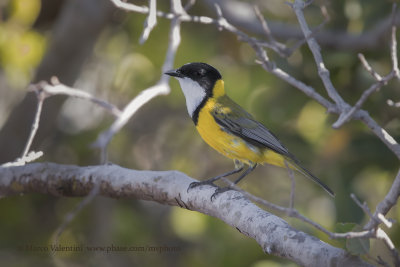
point(220, 190)
point(196, 184)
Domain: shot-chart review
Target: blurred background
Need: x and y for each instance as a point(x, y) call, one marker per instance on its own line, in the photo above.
point(89, 44)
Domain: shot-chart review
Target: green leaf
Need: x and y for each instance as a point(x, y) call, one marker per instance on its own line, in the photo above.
point(355, 246)
point(343, 228)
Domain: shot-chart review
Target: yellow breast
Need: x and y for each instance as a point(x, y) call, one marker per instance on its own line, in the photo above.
point(228, 144)
point(225, 143)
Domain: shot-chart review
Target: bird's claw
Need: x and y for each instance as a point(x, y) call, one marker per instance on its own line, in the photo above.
point(218, 191)
point(196, 184)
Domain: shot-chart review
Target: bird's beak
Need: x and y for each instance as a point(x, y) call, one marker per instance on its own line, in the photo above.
point(174, 73)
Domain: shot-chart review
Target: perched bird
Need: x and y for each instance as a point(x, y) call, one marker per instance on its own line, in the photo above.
point(228, 128)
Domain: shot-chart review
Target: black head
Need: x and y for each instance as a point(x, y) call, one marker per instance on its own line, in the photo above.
point(202, 73)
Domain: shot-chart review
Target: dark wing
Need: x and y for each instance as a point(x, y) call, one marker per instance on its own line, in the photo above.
point(240, 123)
point(237, 121)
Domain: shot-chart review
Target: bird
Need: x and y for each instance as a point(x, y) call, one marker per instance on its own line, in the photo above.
point(229, 129)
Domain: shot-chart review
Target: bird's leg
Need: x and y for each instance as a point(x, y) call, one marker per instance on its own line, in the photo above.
point(224, 189)
point(249, 170)
point(238, 168)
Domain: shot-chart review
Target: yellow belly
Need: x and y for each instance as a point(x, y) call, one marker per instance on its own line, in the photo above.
point(230, 145)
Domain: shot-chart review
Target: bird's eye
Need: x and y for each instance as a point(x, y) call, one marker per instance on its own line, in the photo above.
point(200, 72)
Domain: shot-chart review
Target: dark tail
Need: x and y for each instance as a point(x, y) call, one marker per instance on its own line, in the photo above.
point(308, 174)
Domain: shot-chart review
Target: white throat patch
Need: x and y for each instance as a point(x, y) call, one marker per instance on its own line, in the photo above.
point(193, 92)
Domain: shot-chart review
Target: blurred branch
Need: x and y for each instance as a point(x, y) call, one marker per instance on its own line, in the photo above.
point(56, 88)
point(71, 41)
point(279, 48)
point(379, 233)
point(368, 67)
point(150, 22)
point(386, 204)
point(323, 72)
point(292, 212)
point(346, 113)
point(380, 81)
point(369, 40)
point(43, 90)
point(71, 215)
point(273, 234)
point(269, 65)
point(160, 88)
point(35, 124)
point(238, 13)
point(343, 108)
point(30, 157)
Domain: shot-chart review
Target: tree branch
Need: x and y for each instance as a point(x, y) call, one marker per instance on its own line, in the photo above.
point(160, 88)
point(272, 233)
point(387, 203)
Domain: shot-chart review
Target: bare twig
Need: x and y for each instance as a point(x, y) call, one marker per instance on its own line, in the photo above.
point(267, 64)
point(388, 202)
point(342, 107)
point(323, 72)
point(385, 221)
point(380, 132)
point(35, 124)
point(145, 10)
point(382, 235)
point(379, 233)
point(189, 4)
point(372, 89)
point(368, 67)
point(57, 88)
point(271, 67)
point(30, 157)
point(314, 32)
point(264, 24)
point(291, 212)
point(273, 44)
point(380, 81)
point(130, 7)
point(363, 205)
point(393, 46)
point(160, 88)
point(150, 22)
point(44, 90)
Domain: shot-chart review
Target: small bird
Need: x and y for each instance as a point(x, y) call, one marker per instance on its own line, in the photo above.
point(228, 128)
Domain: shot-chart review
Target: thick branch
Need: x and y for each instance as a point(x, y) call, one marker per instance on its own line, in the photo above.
point(273, 234)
